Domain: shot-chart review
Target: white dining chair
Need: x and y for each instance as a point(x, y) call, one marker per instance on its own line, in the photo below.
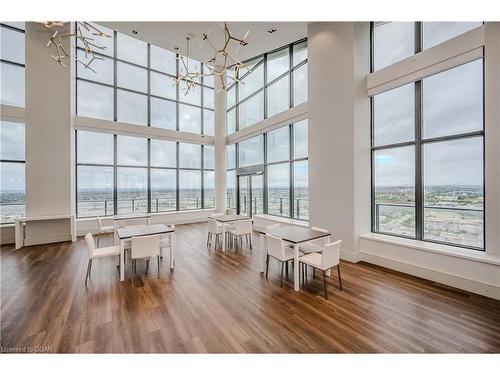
point(95, 253)
point(315, 246)
point(327, 259)
point(103, 229)
point(242, 230)
point(145, 247)
point(277, 250)
point(166, 241)
point(213, 228)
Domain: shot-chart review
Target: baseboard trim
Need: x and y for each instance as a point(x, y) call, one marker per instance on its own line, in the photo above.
point(350, 256)
point(469, 285)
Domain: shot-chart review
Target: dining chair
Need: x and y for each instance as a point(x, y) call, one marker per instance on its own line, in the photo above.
point(242, 229)
point(145, 247)
point(95, 253)
point(277, 250)
point(103, 229)
point(166, 241)
point(213, 228)
point(315, 246)
point(328, 258)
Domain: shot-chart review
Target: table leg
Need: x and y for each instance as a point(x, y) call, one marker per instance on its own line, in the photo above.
point(263, 252)
point(122, 260)
point(223, 237)
point(172, 259)
point(296, 267)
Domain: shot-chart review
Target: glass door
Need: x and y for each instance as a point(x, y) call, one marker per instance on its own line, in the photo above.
point(251, 195)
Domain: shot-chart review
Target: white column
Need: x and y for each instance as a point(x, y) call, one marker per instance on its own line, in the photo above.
point(220, 146)
point(49, 137)
point(339, 130)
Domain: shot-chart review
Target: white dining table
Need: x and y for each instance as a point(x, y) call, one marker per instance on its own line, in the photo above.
point(225, 220)
point(126, 233)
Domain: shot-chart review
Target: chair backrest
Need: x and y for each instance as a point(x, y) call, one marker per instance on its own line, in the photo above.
point(90, 244)
point(212, 225)
point(331, 254)
point(243, 227)
point(145, 246)
point(275, 246)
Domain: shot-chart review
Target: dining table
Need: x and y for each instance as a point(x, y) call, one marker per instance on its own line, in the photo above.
point(295, 236)
point(225, 220)
point(126, 233)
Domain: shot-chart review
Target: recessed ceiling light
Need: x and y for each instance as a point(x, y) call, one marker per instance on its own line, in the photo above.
point(176, 48)
point(134, 32)
point(272, 30)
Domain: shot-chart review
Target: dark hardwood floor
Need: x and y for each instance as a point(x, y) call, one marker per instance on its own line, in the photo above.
point(218, 302)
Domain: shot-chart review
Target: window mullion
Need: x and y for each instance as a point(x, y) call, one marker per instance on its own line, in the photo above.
point(419, 200)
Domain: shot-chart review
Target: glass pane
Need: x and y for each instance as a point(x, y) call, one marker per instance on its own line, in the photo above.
point(131, 150)
point(162, 85)
point(231, 121)
point(94, 191)
point(252, 82)
point(17, 25)
point(278, 96)
point(94, 148)
point(163, 60)
point(277, 64)
point(192, 97)
point(257, 194)
point(231, 189)
point(189, 190)
point(393, 42)
point(12, 203)
point(12, 85)
point(132, 107)
point(231, 97)
point(394, 116)
point(278, 189)
point(453, 192)
point(208, 157)
point(278, 145)
point(394, 171)
point(132, 50)
point(300, 140)
point(209, 80)
point(299, 52)
point(12, 43)
point(208, 97)
point(12, 140)
point(231, 156)
point(439, 32)
point(103, 69)
point(163, 190)
point(163, 114)
point(94, 100)
point(251, 111)
point(107, 43)
point(453, 101)
point(301, 190)
point(189, 155)
point(208, 122)
point(132, 190)
point(189, 119)
point(244, 204)
point(300, 85)
point(163, 153)
point(209, 189)
point(251, 151)
point(131, 77)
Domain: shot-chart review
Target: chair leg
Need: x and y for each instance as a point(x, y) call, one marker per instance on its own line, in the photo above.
point(324, 283)
point(158, 259)
point(286, 269)
point(314, 273)
point(267, 264)
point(282, 267)
point(340, 280)
point(250, 236)
point(208, 239)
point(88, 271)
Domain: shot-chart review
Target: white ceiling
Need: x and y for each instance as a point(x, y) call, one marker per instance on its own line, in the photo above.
point(173, 34)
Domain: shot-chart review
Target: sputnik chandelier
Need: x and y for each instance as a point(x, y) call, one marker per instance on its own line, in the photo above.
point(218, 65)
point(61, 54)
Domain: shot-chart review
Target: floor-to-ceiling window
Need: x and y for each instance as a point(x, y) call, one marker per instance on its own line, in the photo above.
point(428, 143)
point(231, 176)
point(12, 139)
point(270, 84)
point(118, 174)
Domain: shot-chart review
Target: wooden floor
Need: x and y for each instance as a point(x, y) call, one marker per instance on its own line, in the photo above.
point(215, 302)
